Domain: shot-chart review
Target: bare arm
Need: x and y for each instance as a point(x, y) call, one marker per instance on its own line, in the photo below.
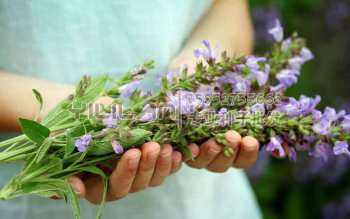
point(17, 99)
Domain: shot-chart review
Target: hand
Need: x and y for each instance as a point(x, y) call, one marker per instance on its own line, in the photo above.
point(210, 154)
point(136, 170)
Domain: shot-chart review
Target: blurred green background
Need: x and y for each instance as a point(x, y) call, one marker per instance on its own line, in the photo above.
point(311, 188)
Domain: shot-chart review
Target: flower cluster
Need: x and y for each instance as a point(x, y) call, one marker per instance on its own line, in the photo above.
point(62, 145)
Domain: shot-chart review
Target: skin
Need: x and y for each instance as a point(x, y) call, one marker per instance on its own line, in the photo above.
point(227, 23)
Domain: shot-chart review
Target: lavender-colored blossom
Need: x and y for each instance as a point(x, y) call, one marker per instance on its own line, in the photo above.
point(321, 150)
point(223, 121)
point(82, 142)
point(208, 53)
point(306, 54)
point(277, 31)
point(275, 146)
point(286, 44)
point(239, 84)
point(287, 77)
point(127, 89)
point(111, 120)
point(263, 76)
point(346, 124)
point(341, 147)
point(252, 63)
point(148, 114)
point(322, 123)
point(295, 63)
point(117, 147)
point(304, 106)
point(171, 76)
point(307, 104)
point(258, 108)
point(185, 102)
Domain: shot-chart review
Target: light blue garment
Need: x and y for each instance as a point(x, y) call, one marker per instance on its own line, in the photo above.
point(62, 40)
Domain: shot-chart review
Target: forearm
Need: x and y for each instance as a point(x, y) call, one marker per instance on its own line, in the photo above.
point(17, 99)
point(227, 24)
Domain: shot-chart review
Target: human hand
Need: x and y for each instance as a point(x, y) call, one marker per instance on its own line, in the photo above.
point(136, 170)
point(210, 154)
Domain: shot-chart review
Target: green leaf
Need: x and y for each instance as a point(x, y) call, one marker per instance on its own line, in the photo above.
point(39, 98)
point(43, 149)
point(94, 170)
point(34, 131)
point(134, 137)
point(73, 200)
point(100, 148)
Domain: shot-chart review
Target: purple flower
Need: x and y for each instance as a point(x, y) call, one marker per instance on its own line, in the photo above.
point(291, 108)
point(322, 126)
point(185, 102)
point(223, 121)
point(307, 104)
point(242, 85)
point(322, 123)
point(346, 123)
point(321, 150)
point(306, 54)
point(263, 76)
point(172, 75)
point(295, 63)
point(110, 121)
point(208, 53)
point(239, 84)
point(148, 114)
point(292, 154)
point(127, 89)
point(258, 108)
point(253, 63)
point(332, 115)
point(117, 147)
point(287, 77)
point(275, 146)
point(341, 147)
point(205, 90)
point(286, 44)
point(82, 142)
point(304, 106)
point(277, 31)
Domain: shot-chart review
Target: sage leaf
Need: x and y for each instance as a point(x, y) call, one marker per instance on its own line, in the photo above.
point(43, 149)
point(73, 201)
point(34, 131)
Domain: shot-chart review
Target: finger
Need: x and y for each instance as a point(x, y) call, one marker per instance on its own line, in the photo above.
point(248, 153)
point(150, 153)
point(124, 174)
point(208, 151)
point(222, 162)
point(195, 151)
point(78, 185)
point(176, 162)
point(163, 165)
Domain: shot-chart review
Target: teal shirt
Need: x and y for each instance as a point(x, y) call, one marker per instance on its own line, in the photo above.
point(62, 40)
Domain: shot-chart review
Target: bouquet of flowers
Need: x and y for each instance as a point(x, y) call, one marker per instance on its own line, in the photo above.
point(224, 93)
